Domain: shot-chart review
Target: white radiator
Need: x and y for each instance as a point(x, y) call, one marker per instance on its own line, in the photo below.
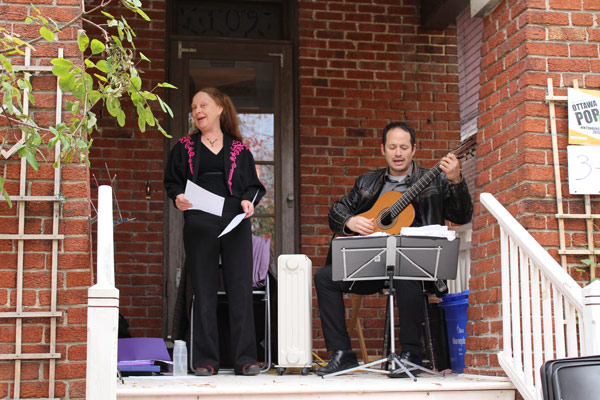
point(294, 310)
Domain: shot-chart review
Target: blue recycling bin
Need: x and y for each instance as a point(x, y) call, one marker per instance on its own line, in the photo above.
point(455, 308)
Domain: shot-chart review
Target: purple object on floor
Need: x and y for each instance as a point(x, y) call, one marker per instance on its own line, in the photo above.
point(142, 349)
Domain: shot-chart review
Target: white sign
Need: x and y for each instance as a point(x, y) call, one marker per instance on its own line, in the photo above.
point(584, 116)
point(584, 169)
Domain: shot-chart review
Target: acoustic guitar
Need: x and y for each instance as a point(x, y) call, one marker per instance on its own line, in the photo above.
point(393, 210)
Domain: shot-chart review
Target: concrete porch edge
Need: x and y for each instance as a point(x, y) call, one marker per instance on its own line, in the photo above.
point(269, 385)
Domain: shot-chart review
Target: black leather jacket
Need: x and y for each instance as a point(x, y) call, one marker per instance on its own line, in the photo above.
point(439, 201)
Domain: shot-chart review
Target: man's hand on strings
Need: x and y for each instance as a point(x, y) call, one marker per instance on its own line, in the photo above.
point(361, 225)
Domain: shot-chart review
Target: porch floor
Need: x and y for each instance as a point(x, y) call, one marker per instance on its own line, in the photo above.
point(292, 385)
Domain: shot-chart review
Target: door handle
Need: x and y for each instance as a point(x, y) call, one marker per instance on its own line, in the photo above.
point(181, 50)
point(290, 200)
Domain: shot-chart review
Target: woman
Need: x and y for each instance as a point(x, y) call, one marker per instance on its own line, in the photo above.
point(216, 159)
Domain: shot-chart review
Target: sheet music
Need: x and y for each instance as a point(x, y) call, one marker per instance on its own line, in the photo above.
point(374, 234)
point(203, 200)
point(236, 220)
point(440, 231)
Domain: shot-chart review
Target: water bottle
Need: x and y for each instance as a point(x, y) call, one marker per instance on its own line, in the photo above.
point(180, 366)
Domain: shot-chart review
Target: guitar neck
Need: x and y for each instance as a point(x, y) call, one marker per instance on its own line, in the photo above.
point(418, 187)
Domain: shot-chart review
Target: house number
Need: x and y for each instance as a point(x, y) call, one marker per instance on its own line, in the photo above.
point(223, 21)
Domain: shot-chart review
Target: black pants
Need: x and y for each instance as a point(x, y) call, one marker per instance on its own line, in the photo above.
point(202, 250)
point(409, 295)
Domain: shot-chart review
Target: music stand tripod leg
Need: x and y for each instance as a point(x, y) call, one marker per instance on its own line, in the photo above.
point(392, 359)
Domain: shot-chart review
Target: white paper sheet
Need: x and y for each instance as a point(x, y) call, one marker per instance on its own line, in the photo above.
point(236, 220)
point(441, 231)
point(374, 234)
point(203, 200)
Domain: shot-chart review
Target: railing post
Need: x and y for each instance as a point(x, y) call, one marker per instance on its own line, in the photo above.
point(103, 310)
point(591, 318)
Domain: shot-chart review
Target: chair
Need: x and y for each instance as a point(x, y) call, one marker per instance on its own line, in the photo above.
point(356, 323)
point(570, 378)
point(577, 381)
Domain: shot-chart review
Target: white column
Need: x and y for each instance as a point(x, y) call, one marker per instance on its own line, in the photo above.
point(103, 310)
point(591, 318)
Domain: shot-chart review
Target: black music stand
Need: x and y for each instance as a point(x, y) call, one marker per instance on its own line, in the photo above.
point(405, 258)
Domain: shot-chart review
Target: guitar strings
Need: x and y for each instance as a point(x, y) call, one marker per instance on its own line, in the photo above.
point(395, 209)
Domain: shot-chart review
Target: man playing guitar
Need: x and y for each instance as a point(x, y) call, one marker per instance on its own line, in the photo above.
point(403, 194)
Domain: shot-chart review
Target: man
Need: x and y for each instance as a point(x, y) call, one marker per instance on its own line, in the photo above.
point(445, 198)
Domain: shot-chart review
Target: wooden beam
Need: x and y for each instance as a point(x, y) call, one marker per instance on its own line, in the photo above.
point(438, 14)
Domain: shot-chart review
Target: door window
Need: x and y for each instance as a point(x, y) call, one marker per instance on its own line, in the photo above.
point(258, 132)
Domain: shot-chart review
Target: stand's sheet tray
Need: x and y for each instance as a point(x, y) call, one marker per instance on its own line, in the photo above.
point(416, 257)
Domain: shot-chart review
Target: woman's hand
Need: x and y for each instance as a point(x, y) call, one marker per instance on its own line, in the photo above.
point(248, 208)
point(181, 202)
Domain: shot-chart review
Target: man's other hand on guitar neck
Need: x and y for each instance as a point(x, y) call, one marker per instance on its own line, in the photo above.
point(361, 225)
point(450, 165)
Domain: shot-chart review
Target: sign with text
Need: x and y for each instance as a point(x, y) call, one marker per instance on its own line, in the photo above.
point(584, 169)
point(584, 116)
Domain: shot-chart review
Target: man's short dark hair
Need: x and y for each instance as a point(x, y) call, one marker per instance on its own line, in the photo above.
point(402, 125)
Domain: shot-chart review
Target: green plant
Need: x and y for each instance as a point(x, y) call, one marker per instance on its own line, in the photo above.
point(108, 75)
point(590, 264)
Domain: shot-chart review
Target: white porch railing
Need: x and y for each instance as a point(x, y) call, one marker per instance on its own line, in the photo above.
point(545, 314)
point(461, 283)
point(103, 310)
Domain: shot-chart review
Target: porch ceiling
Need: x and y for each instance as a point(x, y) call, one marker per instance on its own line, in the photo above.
point(438, 14)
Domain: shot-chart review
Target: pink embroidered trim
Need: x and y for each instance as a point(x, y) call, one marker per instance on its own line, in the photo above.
point(190, 149)
point(236, 148)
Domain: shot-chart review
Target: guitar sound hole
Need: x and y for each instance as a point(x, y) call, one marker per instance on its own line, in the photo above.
point(386, 219)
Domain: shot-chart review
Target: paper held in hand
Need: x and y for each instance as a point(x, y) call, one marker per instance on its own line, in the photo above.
point(203, 200)
point(236, 220)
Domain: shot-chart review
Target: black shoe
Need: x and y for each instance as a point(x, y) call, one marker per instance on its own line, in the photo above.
point(412, 358)
point(339, 361)
point(248, 370)
point(206, 370)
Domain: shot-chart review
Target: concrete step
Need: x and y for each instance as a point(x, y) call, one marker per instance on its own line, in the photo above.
point(363, 385)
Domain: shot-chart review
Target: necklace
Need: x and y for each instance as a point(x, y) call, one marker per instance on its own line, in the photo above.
point(212, 142)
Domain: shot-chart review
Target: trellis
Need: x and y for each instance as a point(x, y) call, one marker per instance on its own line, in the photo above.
point(561, 216)
point(21, 237)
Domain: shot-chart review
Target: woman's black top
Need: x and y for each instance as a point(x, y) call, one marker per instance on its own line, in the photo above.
point(231, 173)
point(211, 173)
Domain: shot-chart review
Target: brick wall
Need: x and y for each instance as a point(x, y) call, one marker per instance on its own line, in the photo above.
point(73, 275)
point(137, 158)
point(363, 64)
point(525, 43)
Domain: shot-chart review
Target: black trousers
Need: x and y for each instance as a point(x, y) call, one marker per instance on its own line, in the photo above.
point(202, 250)
point(409, 295)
